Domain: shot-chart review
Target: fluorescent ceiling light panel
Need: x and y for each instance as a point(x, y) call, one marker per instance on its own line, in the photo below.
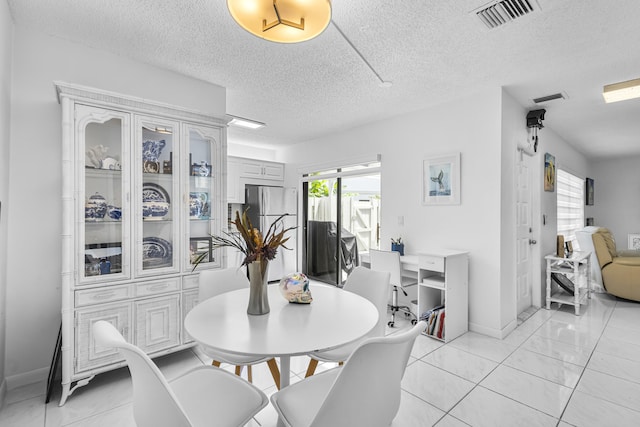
point(245, 123)
point(622, 91)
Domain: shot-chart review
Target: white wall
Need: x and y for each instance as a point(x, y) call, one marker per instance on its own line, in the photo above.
point(6, 41)
point(617, 196)
point(572, 161)
point(33, 274)
point(249, 151)
point(513, 130)
point(471, 126)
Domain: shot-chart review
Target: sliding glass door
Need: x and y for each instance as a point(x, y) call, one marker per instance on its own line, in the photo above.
point(341, 220)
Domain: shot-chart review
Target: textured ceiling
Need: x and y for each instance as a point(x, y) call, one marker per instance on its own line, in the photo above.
point(432, 50)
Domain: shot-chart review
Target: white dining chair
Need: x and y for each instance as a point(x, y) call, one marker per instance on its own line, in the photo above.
point(372, 285)
point(203, 396)
point(389, 261)
point(365, 391)
point(216, 282)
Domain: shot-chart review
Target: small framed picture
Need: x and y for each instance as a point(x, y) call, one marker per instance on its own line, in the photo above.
point(589, 192)
point(102, 258)
point(634, 241)
point(549, 172)
point(200, 248)
point(150, 167)
point(441, 180)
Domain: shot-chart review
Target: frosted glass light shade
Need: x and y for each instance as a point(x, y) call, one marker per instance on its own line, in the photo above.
point(282, 21)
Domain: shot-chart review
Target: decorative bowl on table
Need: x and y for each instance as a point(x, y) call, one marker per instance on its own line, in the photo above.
point(294, 288)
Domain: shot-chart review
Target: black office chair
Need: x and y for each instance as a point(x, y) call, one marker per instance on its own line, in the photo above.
point(389, 261)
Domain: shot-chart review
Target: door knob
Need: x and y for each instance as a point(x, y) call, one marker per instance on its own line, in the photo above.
point(532, 242)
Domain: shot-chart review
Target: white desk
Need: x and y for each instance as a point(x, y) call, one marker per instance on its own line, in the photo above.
point(334, 318)
point(407, 262)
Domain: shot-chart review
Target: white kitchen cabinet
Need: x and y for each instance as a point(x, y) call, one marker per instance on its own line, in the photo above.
point(143, 188)
point(262, 170)
point(235, 189)
point(242, 171)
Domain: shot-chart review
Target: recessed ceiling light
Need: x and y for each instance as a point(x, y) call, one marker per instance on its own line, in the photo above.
point(245, 123)
point(621, 91)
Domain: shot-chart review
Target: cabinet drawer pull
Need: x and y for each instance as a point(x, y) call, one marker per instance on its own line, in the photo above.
point(104, 295)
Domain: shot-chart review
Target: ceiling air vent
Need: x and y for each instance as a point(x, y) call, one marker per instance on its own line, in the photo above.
point(499, 13)
point(549, 98)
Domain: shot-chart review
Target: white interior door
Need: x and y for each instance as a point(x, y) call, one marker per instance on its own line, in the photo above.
point(524, 232)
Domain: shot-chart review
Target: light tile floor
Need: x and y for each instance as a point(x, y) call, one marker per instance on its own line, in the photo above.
point(555, 369)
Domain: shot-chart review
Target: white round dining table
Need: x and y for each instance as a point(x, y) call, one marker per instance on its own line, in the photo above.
point(335, 317)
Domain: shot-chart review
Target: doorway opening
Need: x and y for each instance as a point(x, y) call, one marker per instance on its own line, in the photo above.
point(341, 220)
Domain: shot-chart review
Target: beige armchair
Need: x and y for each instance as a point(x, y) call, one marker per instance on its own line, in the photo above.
point(620, 269)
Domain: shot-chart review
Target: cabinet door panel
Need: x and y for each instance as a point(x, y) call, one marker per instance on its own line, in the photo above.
point(251, 169)
point(206, 194)
point(157, 201)
point(189, 300)
point(157, 323)
point(103, 207)
point(273, 171)
point(88, 355)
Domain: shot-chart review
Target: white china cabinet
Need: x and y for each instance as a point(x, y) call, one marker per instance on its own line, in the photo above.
point(143, 191)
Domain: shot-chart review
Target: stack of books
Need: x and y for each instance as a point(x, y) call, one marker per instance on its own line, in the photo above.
point(435, 321)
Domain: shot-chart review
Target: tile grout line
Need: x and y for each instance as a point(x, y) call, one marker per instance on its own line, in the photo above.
point(573, 390)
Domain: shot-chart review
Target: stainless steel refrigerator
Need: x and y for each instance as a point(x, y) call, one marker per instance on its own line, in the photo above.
point(265, 205)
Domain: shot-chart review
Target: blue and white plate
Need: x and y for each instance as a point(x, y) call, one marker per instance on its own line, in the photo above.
point(156, 253)
point(154, 193)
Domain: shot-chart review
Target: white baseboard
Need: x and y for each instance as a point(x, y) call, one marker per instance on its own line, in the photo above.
point(19, 380)
point(509, 328)
point(494, 333)
point(490, 332)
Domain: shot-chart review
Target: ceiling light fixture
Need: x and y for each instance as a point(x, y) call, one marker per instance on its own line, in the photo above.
point(621, 91)
point(245, 123)
point(282, 21)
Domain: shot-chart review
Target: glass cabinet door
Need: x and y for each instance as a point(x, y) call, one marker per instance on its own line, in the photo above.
point(203, 156)
point(103, 143)
point(156, 205)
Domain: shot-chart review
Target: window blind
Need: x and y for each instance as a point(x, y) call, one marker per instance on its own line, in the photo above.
point(570, 196)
